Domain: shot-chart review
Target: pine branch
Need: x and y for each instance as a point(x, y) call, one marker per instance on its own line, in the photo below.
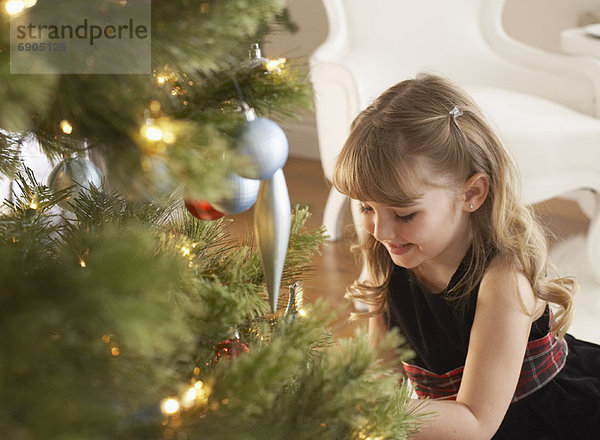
point(279, 390)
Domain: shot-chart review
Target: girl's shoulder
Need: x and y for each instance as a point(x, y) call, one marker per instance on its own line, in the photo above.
point(504, 283)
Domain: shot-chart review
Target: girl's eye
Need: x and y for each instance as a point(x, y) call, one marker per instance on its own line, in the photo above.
point(405, 218)
point(364, 208)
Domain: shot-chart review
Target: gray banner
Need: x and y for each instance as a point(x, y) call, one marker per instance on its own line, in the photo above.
point(84, 37)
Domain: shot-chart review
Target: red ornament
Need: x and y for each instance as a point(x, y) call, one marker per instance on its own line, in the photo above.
point(230, 348)
point(202, 210)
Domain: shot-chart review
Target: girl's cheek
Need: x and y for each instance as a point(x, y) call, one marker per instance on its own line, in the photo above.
point(413, 230)
point(368, 225)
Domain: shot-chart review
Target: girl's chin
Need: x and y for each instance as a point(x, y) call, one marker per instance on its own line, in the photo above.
point(403, 261)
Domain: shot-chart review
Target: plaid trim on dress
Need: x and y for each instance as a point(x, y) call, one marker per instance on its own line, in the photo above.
point(544, 358)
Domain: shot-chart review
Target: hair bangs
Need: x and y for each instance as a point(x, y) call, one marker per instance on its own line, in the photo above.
point(370, 170)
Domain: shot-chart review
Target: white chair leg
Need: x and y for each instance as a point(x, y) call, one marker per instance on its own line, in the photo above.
point(593, 239)
point(333, 217)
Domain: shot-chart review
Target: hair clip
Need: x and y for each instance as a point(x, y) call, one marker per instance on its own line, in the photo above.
point(455, 112)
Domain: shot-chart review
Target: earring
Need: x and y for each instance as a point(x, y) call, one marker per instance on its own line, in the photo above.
point(471, 206)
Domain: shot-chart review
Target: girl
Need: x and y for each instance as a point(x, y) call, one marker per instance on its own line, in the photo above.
point(459, 264)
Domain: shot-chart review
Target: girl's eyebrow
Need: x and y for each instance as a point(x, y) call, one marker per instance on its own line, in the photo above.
point(406, 204)
point(403, 209)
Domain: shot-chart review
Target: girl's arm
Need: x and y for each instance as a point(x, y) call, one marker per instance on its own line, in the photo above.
point(499, 336)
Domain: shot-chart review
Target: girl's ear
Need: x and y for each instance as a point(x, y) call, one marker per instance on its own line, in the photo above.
point(476, 189)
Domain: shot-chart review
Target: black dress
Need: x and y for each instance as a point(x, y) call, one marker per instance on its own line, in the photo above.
point(438, 329)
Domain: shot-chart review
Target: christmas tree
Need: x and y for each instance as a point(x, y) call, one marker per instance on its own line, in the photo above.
point(127, 310)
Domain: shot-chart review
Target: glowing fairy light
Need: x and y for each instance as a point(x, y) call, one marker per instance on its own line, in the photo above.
point(275, 65)
point(160, 80)
point(169, 406)
point(154, 133)
point(13, 7)
point(82, 263)
point(66, 127)
point(195, 394)
point(302, 312)
point(191, 394)
point(33, 204)
point(185, 251)
point(115, 351)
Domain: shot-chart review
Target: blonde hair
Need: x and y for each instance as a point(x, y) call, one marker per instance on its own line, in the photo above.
point(409, 127)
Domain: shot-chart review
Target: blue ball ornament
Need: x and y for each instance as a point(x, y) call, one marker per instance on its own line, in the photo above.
point(264, 144)
point(242, 197)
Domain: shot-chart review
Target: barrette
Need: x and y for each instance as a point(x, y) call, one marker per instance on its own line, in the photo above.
point(455, 112)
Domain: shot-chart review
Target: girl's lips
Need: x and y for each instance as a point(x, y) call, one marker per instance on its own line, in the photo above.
point(399, 250)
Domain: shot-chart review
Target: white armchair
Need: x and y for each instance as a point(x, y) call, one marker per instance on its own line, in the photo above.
point(544, 106)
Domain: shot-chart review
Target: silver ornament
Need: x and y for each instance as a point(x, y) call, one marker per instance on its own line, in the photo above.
point(264, 146)
point(242, 197)
point(295, 300)
point(77, 172)
point(255, 57)
point(272, 219)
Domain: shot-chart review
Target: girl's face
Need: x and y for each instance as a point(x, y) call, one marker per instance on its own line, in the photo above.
point(435, 231)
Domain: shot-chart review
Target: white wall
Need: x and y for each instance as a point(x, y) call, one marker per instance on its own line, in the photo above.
point(309, 15)
point(539, 22)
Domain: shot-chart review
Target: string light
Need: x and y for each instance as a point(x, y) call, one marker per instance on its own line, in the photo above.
point(169, 406)
point(66, 127)
point(156, 131)
point(160, 80)
point(275, 65)
point(153, 133)
point(33, 204)
point(14, 7)
point(196, 394)
point(189, 397)
point(82, 263)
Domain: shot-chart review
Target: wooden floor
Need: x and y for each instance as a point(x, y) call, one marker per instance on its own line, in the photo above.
point(336, 267)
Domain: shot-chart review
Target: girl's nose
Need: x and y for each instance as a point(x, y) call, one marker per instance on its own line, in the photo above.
point(383, 228)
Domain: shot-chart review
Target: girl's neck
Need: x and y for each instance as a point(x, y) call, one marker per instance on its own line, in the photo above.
point(436, 274)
